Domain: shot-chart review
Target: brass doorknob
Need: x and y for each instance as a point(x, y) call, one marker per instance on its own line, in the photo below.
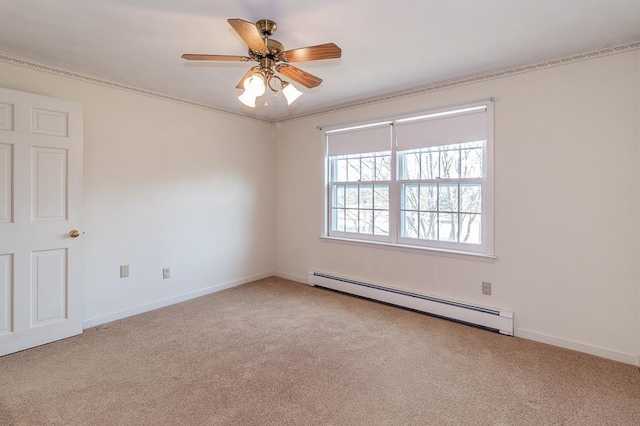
point(74, 233)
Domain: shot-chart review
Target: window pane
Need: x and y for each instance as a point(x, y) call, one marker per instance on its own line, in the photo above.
point(411, 165)
point(470, 200)
point(368, 169)
point(338, 196)
point(381, 197)
point(366, 222)
point(351, 220)
point(429, 197)
point(410, 196)
point(352, 196)
point(340, 171)
point(338, 220)
point(366, 196)
point(448, 197)
point(428, 226)
point(383, 168)
point(429, 164)
point(410, 224)
point(381, 222)
point(471, 163)
point(353, 170)
point(449, 164)
point(448, 227)
point(470, 228)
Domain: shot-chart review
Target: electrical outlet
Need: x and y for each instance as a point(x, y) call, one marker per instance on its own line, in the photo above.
point(166, 273)
point(124, 271)
point(486, 288)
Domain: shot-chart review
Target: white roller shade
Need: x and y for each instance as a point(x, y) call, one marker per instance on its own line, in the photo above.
point(442, 131)
point(371, 139)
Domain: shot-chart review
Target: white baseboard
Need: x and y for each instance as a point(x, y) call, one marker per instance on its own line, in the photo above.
point(172, 300)
point(580, 347)
point(290, 277)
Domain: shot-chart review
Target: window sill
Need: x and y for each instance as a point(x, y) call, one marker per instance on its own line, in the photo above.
point(463, 255)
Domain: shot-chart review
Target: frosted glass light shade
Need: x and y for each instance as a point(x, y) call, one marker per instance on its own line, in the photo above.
point(248, 98)
point(291, 93)
point(254, 84)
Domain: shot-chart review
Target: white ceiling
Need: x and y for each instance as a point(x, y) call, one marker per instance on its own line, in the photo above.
point(386, 46)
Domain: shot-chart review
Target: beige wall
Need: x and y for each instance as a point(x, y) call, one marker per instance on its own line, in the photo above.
point(567, 198)
point(165, 185)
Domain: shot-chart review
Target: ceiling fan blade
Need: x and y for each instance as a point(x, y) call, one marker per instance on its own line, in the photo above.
point(241, 84)
point(299, 76)
point(198, 57)
point(313, 53)
point(250, 34)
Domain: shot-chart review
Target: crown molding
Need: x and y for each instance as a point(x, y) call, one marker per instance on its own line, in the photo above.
point(559, 61)
point(434, 87)
point(28, 63)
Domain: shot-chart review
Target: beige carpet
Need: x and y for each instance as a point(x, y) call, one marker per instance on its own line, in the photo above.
point(275, 352)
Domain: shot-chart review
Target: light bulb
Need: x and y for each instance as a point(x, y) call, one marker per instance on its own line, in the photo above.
point(248, 98)
point(254, 84)
point(290, 92)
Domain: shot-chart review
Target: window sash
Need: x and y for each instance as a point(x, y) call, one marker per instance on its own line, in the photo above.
point(423, 210)
point(353, 216)
point(343, 168)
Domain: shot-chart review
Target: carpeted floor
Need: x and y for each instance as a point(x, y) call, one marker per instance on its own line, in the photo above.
point(275, 352)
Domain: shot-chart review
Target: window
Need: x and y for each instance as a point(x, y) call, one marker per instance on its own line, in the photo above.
point(423, 180)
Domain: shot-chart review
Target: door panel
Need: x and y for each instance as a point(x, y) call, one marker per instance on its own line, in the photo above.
point(52, 123)
point(6, 294)
point(48, 287)
point(6, 116)
point(6, 183)
point(48, 184)
point(40, 203)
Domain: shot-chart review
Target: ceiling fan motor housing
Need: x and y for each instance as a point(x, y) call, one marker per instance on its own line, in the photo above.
point(266, 27)
point(275, 51)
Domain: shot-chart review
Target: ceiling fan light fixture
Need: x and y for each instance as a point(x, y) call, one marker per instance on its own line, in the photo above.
point(255, 85)
point(290, 92)
point(248, 98)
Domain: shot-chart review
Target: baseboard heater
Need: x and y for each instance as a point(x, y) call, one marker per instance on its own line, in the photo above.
point(493, 319)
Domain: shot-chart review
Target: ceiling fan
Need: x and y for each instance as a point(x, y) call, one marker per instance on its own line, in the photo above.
point(272, 59)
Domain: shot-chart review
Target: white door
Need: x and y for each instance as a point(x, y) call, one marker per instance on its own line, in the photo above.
point(40, 204)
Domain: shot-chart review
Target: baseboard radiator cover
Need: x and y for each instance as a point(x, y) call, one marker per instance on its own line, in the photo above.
point(480, 316)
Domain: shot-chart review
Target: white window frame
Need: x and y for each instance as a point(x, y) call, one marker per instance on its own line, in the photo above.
point(359, 184)
point(395, 241)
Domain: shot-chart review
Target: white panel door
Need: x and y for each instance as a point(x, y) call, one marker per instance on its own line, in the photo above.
point(40, 205)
